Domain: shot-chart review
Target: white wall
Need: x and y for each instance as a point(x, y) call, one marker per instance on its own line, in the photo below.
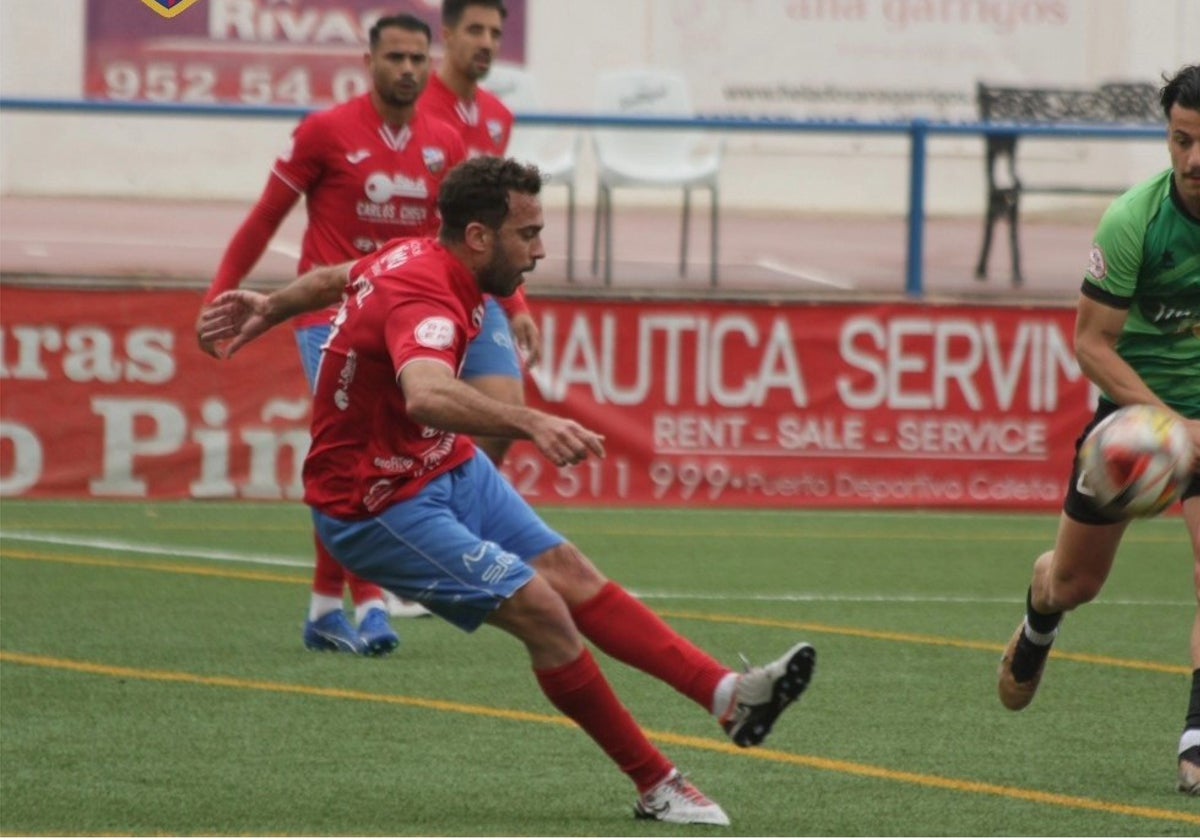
point(852, 43)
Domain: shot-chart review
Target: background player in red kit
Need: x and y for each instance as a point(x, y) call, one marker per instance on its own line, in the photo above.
point(471, 32)
point(400, 494)
point(369, 170)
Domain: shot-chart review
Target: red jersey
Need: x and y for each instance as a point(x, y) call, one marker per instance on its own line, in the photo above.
point(412, 300)
point(484, 125)
point(365, 183)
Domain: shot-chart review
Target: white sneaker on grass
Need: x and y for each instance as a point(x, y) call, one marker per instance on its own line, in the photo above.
point(676, 800)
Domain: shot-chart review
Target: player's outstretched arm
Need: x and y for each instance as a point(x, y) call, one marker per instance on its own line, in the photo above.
point(237, 317)
point(249, 242)
point(233, 320)
point(434, 397)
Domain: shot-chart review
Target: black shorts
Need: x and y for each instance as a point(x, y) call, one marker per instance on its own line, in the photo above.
point(1083, 508)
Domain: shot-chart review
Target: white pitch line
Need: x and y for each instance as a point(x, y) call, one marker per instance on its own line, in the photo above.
point(161, 550)
point(780, 597)
point(803, 274)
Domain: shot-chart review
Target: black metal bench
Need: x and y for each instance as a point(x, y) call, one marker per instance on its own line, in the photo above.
point(1123, 102)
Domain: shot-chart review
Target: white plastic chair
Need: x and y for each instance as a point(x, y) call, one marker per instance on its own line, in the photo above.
point(638, 157)
point(553, 151)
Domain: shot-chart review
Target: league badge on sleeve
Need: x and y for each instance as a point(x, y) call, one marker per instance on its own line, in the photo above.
point(435, 333)
point(170, 8)
point(1097, 265)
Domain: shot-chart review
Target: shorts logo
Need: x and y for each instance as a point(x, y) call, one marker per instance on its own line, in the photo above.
point(1097, 266)
point(170, 8)
point(436, 333)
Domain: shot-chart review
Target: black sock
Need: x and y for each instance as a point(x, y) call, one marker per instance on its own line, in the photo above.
point(1040, 622)
point(1193, 718)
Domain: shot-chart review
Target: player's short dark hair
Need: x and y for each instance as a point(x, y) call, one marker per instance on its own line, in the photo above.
point(410, 23)
point(1183, 89)
point(477, 191)
point(452, 10)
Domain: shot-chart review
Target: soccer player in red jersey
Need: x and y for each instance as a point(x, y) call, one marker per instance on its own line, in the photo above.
point(400, 494)
point(471, 32)
point(369, 171)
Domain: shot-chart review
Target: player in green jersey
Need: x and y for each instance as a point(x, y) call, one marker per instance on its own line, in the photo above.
point(1137, 337)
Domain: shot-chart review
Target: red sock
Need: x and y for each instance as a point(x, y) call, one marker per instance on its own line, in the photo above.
point(361, 590)
point(328, 575)
point(581, 692)
point(625, 629)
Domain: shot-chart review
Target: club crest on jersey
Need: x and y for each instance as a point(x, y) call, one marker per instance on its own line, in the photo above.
point(170, 8)
point(495, 130)
point(437, 333)
point(435, 159)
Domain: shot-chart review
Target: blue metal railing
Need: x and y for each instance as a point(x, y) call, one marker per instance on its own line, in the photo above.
point(918, 132)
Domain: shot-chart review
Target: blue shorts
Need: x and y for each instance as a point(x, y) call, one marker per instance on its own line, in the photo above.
point(461, 546)
point(493, 352)
point(310, 340)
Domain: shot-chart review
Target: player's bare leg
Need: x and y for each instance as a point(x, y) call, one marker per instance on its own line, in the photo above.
point(1063, 579)
point(1189, 742)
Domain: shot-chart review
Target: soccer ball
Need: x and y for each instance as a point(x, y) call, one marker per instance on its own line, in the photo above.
point(1136, 462)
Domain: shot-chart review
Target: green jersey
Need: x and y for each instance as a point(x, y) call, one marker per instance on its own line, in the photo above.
point(1146, 258)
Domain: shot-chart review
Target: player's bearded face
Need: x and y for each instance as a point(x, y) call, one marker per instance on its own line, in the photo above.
point(400, 67)
point(516, 247)
point(502, 275)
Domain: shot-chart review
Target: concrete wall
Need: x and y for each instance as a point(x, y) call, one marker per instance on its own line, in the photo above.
point(42, 52)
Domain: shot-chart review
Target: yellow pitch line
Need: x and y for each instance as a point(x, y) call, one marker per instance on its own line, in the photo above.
point(919, 639)
point(802, 626)
point(851, 768)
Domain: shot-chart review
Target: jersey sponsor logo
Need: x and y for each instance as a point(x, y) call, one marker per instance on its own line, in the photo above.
point(382, 187)
point(1168, 315)
point(437, 333)
point(399, 464)
point(358, 156)
point(170, 8)
point(413, 214)
point(434, 157)
point(495, 130)
point(341, 396)
point(1097, 265)
point(377, 494)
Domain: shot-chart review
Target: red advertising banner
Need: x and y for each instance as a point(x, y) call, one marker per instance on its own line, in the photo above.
point(106, 395)
point(248, 52)
point(702, 404)
point(717, 404)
